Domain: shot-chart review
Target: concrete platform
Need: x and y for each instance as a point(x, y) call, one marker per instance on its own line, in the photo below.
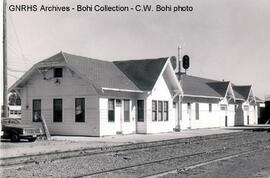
point(261, 127)
point(65, 143)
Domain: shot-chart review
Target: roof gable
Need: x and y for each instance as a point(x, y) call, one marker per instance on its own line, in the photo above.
point(143, 73)
point(241, 92)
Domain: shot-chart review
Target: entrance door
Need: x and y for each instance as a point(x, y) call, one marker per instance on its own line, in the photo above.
point(118, 116)
point(189, 115)
point(140, 124)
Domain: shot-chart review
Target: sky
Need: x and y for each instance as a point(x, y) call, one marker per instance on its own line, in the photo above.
point(225, 39)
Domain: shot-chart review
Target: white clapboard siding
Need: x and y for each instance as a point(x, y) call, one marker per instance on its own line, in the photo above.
point(119, 125)
point(71, 87)
point(161, 92)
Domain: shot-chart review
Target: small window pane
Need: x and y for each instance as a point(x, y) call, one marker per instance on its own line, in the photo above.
point(58, 72)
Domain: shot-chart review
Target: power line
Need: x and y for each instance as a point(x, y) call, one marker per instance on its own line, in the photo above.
point(14, 70)
point(13, 76)
point(17, 37)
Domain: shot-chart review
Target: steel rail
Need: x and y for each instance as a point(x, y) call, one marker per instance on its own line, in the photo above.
point(214, 151)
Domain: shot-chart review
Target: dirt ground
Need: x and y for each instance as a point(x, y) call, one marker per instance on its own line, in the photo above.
point(65, 143)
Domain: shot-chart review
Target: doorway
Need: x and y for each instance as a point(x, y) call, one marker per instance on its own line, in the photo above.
point(118, 117)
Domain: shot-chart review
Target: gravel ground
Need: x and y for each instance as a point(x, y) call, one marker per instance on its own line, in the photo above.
point(255, 165)
point(86, 164)
point(64, 143)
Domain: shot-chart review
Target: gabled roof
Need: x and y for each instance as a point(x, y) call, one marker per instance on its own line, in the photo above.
point(241, 92)
point(196, 86)
point(144, 73)
point(133, 75)
point(102, 73)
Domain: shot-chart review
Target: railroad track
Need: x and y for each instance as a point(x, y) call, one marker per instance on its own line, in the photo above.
point(33, 159)
point(144, 165)
point(202, 163)
point(28, 160)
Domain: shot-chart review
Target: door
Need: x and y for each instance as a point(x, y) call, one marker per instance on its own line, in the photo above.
point(140, 123)
point(189, 111)
point(118, 117)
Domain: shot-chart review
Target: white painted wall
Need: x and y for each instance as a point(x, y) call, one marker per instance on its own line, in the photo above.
point(71, 87)
point(161, 92)
point(207, 119)
point(110, 128)
point(231, 115)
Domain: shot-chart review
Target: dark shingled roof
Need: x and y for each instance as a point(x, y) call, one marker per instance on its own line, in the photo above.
point(203, 87)
point(102, 73)
point(187, 99)
point(241, 92)
point(144, 73)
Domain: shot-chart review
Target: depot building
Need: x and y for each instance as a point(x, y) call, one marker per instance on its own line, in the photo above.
point(78, 95)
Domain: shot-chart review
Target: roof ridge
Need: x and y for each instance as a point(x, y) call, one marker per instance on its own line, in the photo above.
point(141, 59)
point(86, 57)
point(214, 80)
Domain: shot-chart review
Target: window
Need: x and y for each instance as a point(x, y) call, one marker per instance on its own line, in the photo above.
point(79, 110)
point(174, 104)
point(223, 107)
point(210, 107)
point(111, 110)
point(160, 109)
point(197, 109)
point(126, 110)
point(166, 111)
point(140, 106)
point(154, 110)
point(57, 110)
point(36, 110)
point(188, 108)
point(58, 72)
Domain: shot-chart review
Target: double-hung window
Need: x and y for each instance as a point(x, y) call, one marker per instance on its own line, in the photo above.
point(126, 110)
point(160, 110)
point(36, 110)
point(166, 111)
point(79, 110)
point(154, 110)
point(57, 110)
point(111, 110)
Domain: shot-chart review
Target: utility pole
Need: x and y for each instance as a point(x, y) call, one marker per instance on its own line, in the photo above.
point(5, 105)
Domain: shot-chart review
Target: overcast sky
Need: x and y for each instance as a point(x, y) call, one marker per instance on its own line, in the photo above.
point(225, 39)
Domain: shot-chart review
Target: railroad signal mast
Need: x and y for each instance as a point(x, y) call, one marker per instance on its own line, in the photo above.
point(184, 62)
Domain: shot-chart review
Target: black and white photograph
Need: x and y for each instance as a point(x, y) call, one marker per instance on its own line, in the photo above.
point(127, 89)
